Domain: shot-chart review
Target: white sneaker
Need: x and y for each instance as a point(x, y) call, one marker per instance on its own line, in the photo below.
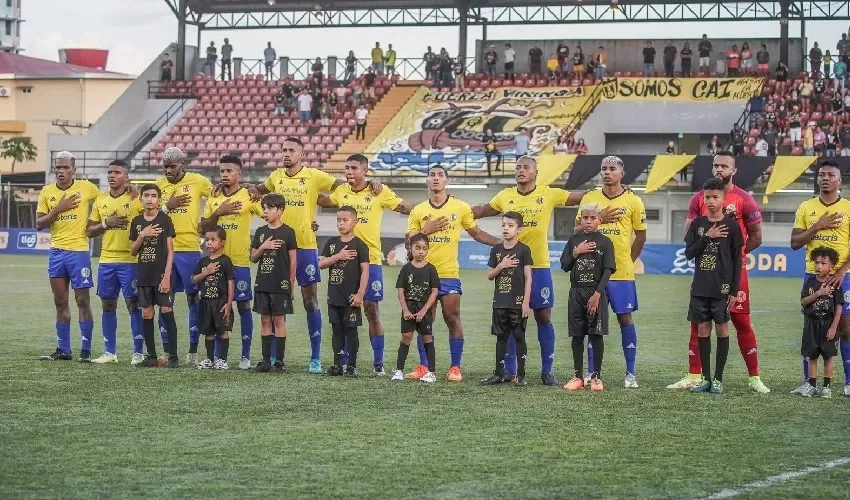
point(137, 358)
point(206, 364)
point(398, 376)
point(689, 381)
point(220, 364)
point(192, 360)
point(106, 357)
point(803, 390)
point(587, 378)
point(429, 378)
point(847, 390)
point(631, 381)
point(244, 364)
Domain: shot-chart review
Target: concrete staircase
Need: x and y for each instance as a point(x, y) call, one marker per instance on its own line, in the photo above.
point(379, 117)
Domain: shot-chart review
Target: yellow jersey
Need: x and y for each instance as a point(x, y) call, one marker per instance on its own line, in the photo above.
point(620, 233)
point(187, 218)
point(115, 247)
point(237, 246)
point(837, 238)
point(443, 245)
point(370, 213)
point(536, 210)
point(300, 192)
point(68, 231)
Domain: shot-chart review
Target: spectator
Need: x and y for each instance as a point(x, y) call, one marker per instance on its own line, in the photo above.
point(490, 58)
point(755, 106)
point(578, 63)
point(279, 103)
point(794, 99)
point(357, 95)
point(360, 115)
point(490, 150)
point(820, 141)
point(318, 71)
point(763, 60)
point(581, 148)
point(316, 109)
point(369, 85)
point(714, 146)
point(704, 48)
point(553, 66)
point(446, 69)
point(781, 78)
point(428, 59)
point(378, 59)
point(839, 72)
point(522, 140)
point(806, 88)
point(836, 106)
point(510, 57)
point(815, 59)
point(648, 60)
point(720, 69)
point(746, 59)
point(683, 174)
point(847, 101)
point(305, 105)
point(827, 64)
point(333, 104)
point(733, 61)
point(771, 137)
point(770, 114)
point(269, 57)
point(289, 93)
point(833, 143)
point(671, 148)
point(819, 87)
point(209, 62)
point(600, 63)
point(535, 60)
point(809, 140)
point(761, 147)
point(669, 55)
point(842, 48)
point(324, 111)
point(165, 67)
point(226, 53)
point(562, 143)
point(795, 126)
point(460, 74)
point(563, 53)
point(844, 138)
point(389, 60)
point(685, 57)
point(350, 67)
point(736, 139)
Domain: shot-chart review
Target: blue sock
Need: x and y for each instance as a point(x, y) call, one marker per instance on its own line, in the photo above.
point(314, 330)
point(377, 349)
point(845, 358)
point(510, 357)
point(163, 332)
point(246, 319)
point(806, 367)
point(590, 366)
point(136, 331)
point(63, 337)
point(109, 325)
point(86, 331)
point(546, 336)
point(420, 346)
point(629, 338)
point(456, 350)
point(194, 331)
point(272, 357)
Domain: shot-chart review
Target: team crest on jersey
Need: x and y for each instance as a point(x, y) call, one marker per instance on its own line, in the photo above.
point(730, 209)
point(453, 217)
point(126, 206)
point(539, 200)
point(310, 270)
point(846, 296)
point(724, 288)
point(333, 248)
point(138, 228)
point(368, 199)
point(242, 285)
point(700, 231)
point(185, 189)
point(410, 279)
point(134, 284)
point(376, 286)
point(352, 317)
point(302, 181)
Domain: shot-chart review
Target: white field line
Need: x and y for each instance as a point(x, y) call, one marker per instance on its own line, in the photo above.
point(778, 479)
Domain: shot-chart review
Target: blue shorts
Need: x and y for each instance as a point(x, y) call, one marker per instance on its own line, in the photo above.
point(622, 295)
point(75, 265)
point(115, 278)
point(375, 290)
point(542, 291)
point(845, 286)
point(450, 286)
point(181, 272)
point(307, 267)
point(243, 290)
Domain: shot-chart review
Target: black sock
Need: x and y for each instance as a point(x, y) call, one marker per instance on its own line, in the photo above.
point(171, 331)
point(280, 349)
point(403, 350)
point(193, 348)
point(598, 343)
point(722, 354)
point(210, 345)
point(705, 356)
point(578, 354)
point(266, 341)
point(352, 340)
point(826, 381)
point(224, 345)
point(432, 357)
point(147, 331)
point(521, 355)
point(501, 353)
point(813, 381)
point(338, 342)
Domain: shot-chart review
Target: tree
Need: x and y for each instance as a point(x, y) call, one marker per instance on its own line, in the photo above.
point(18, 149)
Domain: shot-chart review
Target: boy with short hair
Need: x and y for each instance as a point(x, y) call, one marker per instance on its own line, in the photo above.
point(153, 236)
point(714, 241)
point(274, 252)
point(347, 258)
point(216, 278)
point(510, 268)
point(589, 258)
point(822, 308)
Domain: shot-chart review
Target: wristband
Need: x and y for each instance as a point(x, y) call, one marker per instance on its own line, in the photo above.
point(103, 223)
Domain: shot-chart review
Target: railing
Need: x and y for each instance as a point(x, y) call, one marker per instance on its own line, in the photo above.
point(94, 163)
point(176, 107)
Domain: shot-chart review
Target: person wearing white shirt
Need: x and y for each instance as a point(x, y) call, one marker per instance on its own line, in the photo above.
point(360, 115)
point(305, 106)
point(269, 56)
point(510, 58)
point(761, 147)
point(522, 140)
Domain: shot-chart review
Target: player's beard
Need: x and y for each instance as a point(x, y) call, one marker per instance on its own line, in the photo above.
point(725, 180)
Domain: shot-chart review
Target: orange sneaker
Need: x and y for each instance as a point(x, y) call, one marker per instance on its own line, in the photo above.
point(596, 384)
point(454, 374)
point(417, 373)
point(575, 384)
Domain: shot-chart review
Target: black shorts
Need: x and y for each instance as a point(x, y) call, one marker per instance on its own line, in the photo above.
point(707, 309)
point(505, 322)
point(349, 317)
point(580, 322)
point(211, 320)
point(814, 343)
point(150, 296)
point(424, 327)
point(272, 304)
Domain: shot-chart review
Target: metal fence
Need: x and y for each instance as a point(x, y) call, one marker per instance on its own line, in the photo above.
point(18, 203)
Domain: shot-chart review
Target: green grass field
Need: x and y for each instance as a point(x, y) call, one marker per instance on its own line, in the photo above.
point(82, 431)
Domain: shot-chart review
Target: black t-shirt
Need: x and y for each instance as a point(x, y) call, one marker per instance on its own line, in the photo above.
point(737, 136)
point(823, 307)
point(273, 266)
point(563, 51)
point(718, 261)
point(770, 117)
point(781, 74)
point(417, 283)
point(535, 55)
point(344, 275)
point(215, 285)
point(586, 269)
point(279, 99)
point(762, 57)
point(287, 90)
point(686, 54)
point(491, 57)
point(578, 59)
point(429, 57)
point(350, 61)
point(154, 250)
point(166, 65)
point(509, 291)
point(794, 120)
point(820, 86)
point(333, 100)
point(669, 54)
point(369, 78)
point(649, 55)
point(704, 48)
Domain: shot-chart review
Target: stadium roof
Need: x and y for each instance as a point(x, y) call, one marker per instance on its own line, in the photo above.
point(15, 66)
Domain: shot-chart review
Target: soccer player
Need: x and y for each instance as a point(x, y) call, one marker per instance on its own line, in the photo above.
point(589, 257)
point(825, 221)
point(714, 242)
point(535, 204)
point(217, 280)
point(153, 235)
point(274, 252)
point(231, 208)
point(743, 207)
point(370, 213)
point(510, 268)
point(347, 259)
point(624, 223)
point(63, 207)
point(116, 274)
point(441, 218)
point(182, 193)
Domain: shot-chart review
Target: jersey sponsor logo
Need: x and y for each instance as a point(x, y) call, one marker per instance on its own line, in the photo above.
point(178, 210)
point(439, 239)
point(730, 209)
point(831, 238)
point(242, 285)
point(681, 264)
point(294, 203)
point(231, 227)
point(615, 231)
point(65, 217)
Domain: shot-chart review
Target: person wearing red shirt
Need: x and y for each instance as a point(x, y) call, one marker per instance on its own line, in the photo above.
point(733, 61)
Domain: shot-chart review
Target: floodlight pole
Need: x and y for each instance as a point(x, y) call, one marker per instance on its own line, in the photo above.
point(784, 8)
point(463, 12)
point(181, 40)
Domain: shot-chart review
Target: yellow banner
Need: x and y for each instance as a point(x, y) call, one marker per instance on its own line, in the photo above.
point(681, 89)
point(786, 169)
point(664, 168)
point(550, 167)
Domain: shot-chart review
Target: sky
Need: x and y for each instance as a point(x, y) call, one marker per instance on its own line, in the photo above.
point(136, 31)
